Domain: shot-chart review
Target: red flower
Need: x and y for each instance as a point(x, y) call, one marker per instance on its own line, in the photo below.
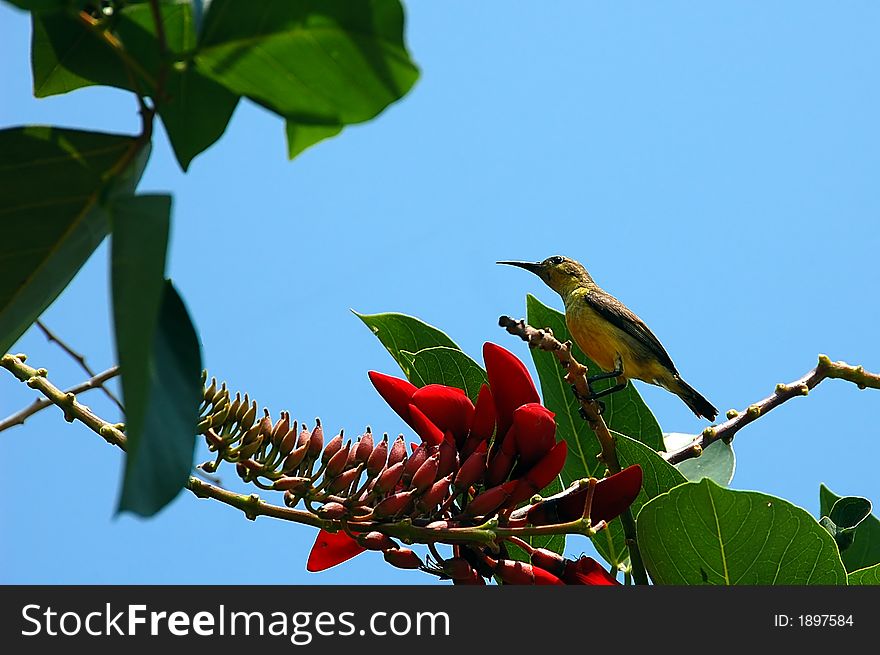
point(587, 571)
point(330, 549)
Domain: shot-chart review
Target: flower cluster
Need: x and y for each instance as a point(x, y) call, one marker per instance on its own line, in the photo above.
point(475, 464)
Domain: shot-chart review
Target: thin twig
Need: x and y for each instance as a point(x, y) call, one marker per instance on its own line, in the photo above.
point(80, 359)
point(576, 375)
point(94, 382)
point(737, 420)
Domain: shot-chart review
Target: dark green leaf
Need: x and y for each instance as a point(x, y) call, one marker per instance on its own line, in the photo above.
point(301, 136)
point(701, 533)
point(866, 576)
point(65, 56)
point(314, 62)
point(864, 549)
point(625, 412)
point(445, 365)
point(399, 332)
point(51, 181)
point(140, 239)
point(159, 459)
point(195, 109)
point(718, 461)
point(847, 513)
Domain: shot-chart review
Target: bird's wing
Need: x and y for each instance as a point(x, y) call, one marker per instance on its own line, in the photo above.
point(616, 313)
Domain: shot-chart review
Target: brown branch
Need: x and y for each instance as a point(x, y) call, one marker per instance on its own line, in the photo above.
point(576, 375)
point(95, 382)
point(80, 359)
point(251, 504)
point(825, 369)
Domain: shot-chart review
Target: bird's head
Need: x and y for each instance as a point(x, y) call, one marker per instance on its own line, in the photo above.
point(561, 274)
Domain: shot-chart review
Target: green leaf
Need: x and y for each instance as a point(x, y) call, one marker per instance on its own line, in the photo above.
point(625, 413)
point(65, 56)
point(139, 243)
point(301, 136)
point(718, 461)
point(866, 576)
point(196, 109)
point(159, 458)
point(702, 533)
point(45, 5)
point(445, 365)
point(399, 333)
point(847, 513)
point(314, 62)
point(864, 549)
point(51, 182)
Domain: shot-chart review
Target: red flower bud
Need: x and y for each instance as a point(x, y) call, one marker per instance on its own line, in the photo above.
point(501, 463)
point(615, 493)
point(473, 469)
point(491, 499)
point(280, 428)
point(316, 440)
point(473, 578)
point(457, 568)
point(587, 571)
point(436, 494)
point(342, 482)
point(364, 448)
point(520, 573)
point(332, 448)
point(331, 511)
point(399, 503)
point(549, 561)
point(415, 461)
point(294, 459)
point(426, 475)
point(337, 463)
point(288, 442)
point(377, 459)
point(291, 484)
point(398, 451)
point(448, 456)
point(402, 558)
point(376, 541)
point(389, 478)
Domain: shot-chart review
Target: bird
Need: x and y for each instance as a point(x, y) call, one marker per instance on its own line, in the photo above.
point(611, 335)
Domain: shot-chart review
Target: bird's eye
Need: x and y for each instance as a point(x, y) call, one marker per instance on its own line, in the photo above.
point(555, 261)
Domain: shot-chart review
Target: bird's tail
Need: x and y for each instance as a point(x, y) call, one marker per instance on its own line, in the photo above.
point(693, 399)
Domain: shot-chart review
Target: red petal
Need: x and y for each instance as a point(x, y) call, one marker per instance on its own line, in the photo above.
point(587, 571)
point(483, 424)
point(447, 407)
point(396, 392)
point(615, 493)
point(430, 433)
point(541, 474)
point(330, 549)
point(510, 382)
point(535, 432)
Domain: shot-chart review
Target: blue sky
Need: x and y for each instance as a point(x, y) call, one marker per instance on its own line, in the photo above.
point(713, 164)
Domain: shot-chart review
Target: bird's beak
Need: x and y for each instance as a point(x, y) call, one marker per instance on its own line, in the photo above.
point(534, 267)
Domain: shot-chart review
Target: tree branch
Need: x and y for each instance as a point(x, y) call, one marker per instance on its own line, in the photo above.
point(251, 504)
point(80, 359)
point(576, 375)
point(736, 421)
point(95, 382)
